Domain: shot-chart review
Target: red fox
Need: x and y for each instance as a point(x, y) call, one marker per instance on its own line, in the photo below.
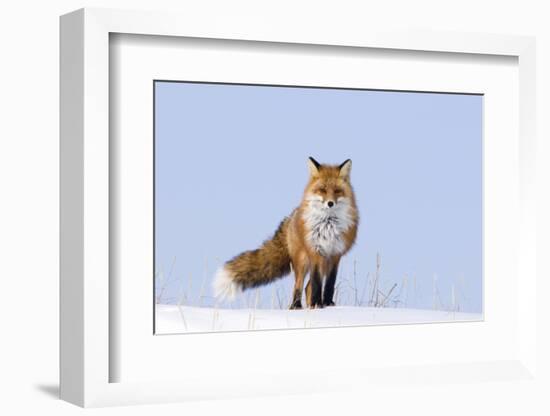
point(312, 239)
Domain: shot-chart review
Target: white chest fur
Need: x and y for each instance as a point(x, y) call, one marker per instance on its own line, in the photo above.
point(326, 226)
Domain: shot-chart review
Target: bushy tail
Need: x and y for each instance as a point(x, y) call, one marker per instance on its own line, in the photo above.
point(254, 268)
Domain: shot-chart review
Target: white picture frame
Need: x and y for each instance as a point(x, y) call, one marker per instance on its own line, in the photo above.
point(87, 355)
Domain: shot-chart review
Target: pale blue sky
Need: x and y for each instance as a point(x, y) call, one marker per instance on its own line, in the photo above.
point(231, 163)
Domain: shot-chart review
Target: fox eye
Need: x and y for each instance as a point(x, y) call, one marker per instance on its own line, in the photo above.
point(323, 190)
point(338, 191)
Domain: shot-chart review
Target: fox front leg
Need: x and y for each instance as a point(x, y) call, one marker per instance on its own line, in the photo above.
point(328, 292)
point(299, 274)
point(314, 289)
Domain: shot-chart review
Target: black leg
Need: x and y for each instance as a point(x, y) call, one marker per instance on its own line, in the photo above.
point(329, 287)
point(297, 300)
point(316, 289)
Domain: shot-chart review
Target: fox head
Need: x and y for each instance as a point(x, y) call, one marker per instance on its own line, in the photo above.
point(329, 185)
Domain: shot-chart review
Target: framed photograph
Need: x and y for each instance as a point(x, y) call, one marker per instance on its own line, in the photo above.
point(228, 196)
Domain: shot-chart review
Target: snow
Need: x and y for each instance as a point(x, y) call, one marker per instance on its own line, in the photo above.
point(174, 319)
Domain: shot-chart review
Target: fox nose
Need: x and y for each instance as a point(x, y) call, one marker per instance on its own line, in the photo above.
point(330, 204)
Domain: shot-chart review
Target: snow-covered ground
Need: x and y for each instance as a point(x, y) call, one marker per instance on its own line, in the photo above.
point(173, 319)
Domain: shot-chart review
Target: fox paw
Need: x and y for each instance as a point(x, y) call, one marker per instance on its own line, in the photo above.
point(296, 305)
point(329, 303)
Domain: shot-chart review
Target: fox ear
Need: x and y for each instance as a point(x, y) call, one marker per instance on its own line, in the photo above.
point(345, 169)
point(313, 166)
